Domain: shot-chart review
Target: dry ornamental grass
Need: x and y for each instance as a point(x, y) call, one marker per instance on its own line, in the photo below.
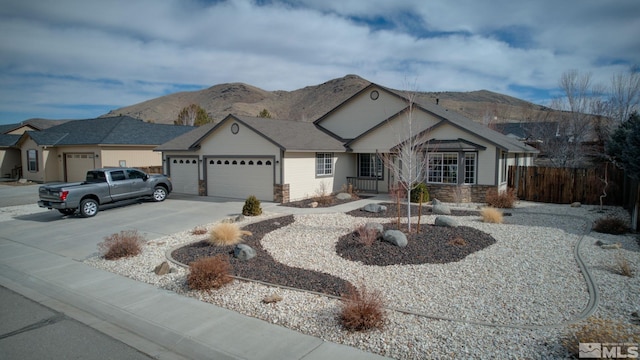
point(491, 215)
point(362, 310)
point(597, 330)
point(224, 234)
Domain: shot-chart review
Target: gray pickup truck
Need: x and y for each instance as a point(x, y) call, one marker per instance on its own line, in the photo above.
point(103, 186)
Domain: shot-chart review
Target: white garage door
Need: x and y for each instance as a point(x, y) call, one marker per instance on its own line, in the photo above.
point(184, 175)
point(77, 166)
point(239, 178)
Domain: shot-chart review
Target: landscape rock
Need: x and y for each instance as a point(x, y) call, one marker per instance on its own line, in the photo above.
point(244, 252)
point(313, 204)
point(436, 202)
point(162, 269)
point(446, 221)
point(343, 196)
point(239, 218)
point(375, 226)
point(611, 246)
point(273, 298)
point(441, 209)
point(576, 204)
point(395, 237)
point(375, 208)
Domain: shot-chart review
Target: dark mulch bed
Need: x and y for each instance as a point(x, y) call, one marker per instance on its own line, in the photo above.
point(392, 211)
point(332, 202)
point(264, 267)
point(433, 245)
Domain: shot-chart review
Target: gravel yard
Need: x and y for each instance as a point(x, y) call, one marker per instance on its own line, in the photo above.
point(511, 298)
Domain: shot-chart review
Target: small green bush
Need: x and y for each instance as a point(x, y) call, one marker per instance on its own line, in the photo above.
point(209, 273)
point(611, 225)
point(127, 243)
point(251, 207)
point(417, 190)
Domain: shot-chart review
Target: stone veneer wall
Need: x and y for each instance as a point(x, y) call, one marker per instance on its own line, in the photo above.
point(202, 188)
point(459, 193)
point(281, 193)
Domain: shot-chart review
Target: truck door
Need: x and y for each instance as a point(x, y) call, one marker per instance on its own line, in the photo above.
point(139, 186)
point(119, 187)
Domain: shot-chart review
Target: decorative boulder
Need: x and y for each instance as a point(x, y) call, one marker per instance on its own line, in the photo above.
point(576, 204)
point(244, 252)
point(239, 218)
point(436, 202)
point(313, 204)
point(395, 237)
point(343, 196)
point(374, 226)
point(375, 208)
point(446, 221)
point(441, 209)
point(162, 269)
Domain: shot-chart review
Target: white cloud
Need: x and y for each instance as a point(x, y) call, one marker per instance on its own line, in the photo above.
point(118, 53)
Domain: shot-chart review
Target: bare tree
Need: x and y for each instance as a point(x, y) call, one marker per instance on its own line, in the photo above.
point(406, 160)
point(625, 94)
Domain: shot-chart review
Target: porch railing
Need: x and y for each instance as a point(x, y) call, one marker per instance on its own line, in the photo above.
point(361, 184)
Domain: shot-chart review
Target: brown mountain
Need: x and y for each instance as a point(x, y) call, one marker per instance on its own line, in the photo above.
point(311, 102)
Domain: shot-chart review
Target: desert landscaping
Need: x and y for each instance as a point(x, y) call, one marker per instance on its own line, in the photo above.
point(515, 291)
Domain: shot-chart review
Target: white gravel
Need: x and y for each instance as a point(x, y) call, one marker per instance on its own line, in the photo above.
point(512, 299)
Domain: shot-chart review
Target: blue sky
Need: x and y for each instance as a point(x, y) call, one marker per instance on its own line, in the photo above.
point(80, 59)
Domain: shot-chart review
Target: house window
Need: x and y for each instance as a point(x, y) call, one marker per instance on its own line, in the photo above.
point(370, 165)
point(442, 168)
point(32, 160)
point(469, 168)
point(324, 164)
point(503, 167)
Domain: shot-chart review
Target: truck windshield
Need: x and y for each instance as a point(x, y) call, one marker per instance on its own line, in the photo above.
point(96, 177)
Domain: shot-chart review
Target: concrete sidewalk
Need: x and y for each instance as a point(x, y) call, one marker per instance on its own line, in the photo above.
point(160, 323)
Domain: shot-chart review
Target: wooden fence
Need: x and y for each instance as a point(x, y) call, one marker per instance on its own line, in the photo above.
point(567, 185)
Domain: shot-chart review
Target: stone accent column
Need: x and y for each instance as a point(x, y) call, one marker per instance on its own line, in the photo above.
point(202, 188)
point(281, 193)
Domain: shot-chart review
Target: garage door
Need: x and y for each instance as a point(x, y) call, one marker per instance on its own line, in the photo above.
point(77, 165)
point(184, 175)
point(239, 178)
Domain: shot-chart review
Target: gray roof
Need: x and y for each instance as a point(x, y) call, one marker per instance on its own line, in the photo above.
point(8, 140)
point(36, 124)
point(119, 130)
point(502, 141)
point(286, 134)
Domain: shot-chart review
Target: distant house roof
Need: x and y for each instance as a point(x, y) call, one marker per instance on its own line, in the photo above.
point(120, 130)
point(35, 124)
point(286, 134)
point(8, 140)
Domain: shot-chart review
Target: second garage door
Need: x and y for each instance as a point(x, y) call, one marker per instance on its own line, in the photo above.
point(184, 175)
point(239, 178)
point(77, 166)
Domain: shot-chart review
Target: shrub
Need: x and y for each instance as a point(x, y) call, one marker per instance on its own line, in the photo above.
point(417, 190)
point(610, 225)
point(199, 230)
point(366, 236)
point(503, 200)
point(127, 243)
point(622, 265)
point(457, 241)
point(362, 310)
point(251, 207)
point(491, 215)
point(597, 330)
point(225, 233)
point(323, 196)
point(209, 273)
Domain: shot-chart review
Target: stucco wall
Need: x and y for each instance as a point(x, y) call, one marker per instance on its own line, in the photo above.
point(9, 159)
point(362, 114)
point(300, 174)
point(133, 157)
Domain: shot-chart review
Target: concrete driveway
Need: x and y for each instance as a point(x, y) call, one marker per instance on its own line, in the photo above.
point(77, 238)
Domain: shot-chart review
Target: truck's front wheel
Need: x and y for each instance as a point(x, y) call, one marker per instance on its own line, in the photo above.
point(88, 207)
point(159, 193)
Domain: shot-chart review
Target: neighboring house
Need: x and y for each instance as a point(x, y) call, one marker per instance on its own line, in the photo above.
point(10, 160)
point(65, 152)
point(281, 160)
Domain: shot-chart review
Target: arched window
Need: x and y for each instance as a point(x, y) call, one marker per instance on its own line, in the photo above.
point(226, 162)
point(234, 162)
point(219, 162)
point(250, 162)
point(259, 162)
point(268, 162)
